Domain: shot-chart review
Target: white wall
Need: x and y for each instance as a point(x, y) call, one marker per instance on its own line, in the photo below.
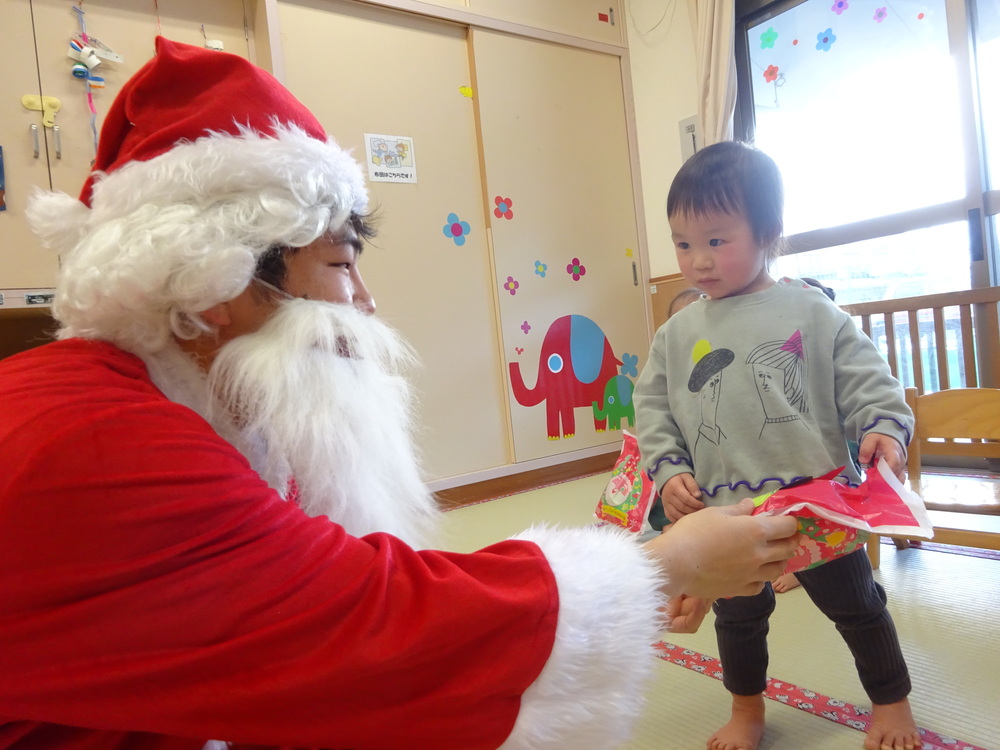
point(661, 52)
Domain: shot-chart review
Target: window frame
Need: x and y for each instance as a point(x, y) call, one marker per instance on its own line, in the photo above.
point(974, 208)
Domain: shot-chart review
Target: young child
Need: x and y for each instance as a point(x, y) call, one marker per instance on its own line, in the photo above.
point(760, 383)
point(682, 299)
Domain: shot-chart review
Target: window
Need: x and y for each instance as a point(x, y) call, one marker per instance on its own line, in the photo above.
point(885, 121)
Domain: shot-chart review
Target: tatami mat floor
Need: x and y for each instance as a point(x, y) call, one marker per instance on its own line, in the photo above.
point(946, 608)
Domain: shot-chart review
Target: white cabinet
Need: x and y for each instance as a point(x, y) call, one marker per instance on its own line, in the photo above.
point(567, 261)
point(26, 156)
point(35, 40)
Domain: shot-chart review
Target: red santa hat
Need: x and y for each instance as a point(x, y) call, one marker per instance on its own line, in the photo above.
point(185, 93)
point(205, 161)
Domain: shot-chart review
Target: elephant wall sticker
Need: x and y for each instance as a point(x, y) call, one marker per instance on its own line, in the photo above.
point(617, 402)
point(575, 366)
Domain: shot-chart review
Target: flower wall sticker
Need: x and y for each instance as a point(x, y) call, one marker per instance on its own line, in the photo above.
point(840, 6)
point(540, 268)
point(576, 269)
point(526, 327)
point(456, 229)
point(511, 285)
point(768, 38)
point(880, 15)
point(824, 40)
point(771, 74)
point(629, 365)
point(502, 211)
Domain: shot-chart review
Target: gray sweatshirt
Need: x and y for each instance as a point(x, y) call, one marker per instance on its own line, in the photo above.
point(750, 393)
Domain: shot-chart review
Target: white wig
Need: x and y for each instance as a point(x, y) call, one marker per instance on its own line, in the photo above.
point(168, 238)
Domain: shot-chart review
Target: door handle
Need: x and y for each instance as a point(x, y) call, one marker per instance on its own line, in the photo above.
point(47, 105)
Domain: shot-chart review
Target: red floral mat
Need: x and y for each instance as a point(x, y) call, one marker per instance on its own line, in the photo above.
point(805, 700)
point(989, 554)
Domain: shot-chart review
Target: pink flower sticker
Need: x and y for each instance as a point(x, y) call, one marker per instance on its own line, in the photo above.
point(576, 269)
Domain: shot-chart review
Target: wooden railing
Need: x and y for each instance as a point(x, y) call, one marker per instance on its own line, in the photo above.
point(937, 341)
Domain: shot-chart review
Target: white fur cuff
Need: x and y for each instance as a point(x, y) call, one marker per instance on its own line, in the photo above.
point(592, 688)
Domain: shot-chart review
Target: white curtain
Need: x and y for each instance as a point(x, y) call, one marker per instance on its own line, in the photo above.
point(713, 22)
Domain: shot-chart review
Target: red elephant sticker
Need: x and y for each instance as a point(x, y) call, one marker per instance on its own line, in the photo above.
point(574, 365)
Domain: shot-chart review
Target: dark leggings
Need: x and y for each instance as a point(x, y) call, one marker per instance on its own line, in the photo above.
point(844, 591)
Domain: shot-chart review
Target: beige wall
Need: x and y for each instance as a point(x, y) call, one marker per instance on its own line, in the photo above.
point(661, 52)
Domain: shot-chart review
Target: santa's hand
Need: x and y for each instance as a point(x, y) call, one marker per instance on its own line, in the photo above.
point(686, 613)
point(680, 496)
point(724, 551)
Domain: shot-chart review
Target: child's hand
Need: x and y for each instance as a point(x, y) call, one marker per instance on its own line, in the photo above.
point(875, 445)
point(680, 496)
point(686, 613)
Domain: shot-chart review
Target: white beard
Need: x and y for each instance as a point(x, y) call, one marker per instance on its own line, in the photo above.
point(317, 396)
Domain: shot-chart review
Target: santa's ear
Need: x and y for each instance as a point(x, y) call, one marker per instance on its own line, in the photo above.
point(218, 315)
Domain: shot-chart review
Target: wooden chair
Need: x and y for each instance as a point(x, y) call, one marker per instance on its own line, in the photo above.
point(937, 341)
point(954, 422)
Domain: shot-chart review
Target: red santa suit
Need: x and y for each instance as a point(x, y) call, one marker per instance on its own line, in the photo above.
point(155, 593)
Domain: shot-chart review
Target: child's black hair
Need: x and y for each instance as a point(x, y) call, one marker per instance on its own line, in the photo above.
point(732, 178)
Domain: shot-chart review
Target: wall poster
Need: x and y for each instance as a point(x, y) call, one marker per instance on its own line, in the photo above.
point(390, 158)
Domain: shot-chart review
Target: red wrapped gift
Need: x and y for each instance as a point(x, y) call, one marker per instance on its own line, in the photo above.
point(626, 500)
point(835, 519)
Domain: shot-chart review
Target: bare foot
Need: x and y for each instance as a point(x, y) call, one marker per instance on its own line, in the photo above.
point(745, 726)
point(785, 582)
point(892, 727)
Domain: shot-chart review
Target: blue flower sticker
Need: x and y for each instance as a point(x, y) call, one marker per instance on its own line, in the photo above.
point(768, 38)
point(540, 268)
point(456, 229)
point(824, 40)
point(629, 362)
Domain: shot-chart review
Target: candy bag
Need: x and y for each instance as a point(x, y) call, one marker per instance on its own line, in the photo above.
point(625, 501)
point(835, 519)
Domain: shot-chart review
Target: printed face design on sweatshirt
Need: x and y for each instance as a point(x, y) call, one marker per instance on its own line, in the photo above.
point(706, 380)
point(778, 372)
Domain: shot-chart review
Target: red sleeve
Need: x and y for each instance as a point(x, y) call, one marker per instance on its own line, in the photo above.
point(150, 581)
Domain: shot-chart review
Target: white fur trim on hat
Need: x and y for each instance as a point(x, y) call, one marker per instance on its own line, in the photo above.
point(168, 238)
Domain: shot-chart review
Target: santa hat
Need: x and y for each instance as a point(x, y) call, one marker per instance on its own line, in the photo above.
point(205, 161)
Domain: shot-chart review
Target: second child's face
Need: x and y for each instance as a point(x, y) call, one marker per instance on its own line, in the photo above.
point(718, 254)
